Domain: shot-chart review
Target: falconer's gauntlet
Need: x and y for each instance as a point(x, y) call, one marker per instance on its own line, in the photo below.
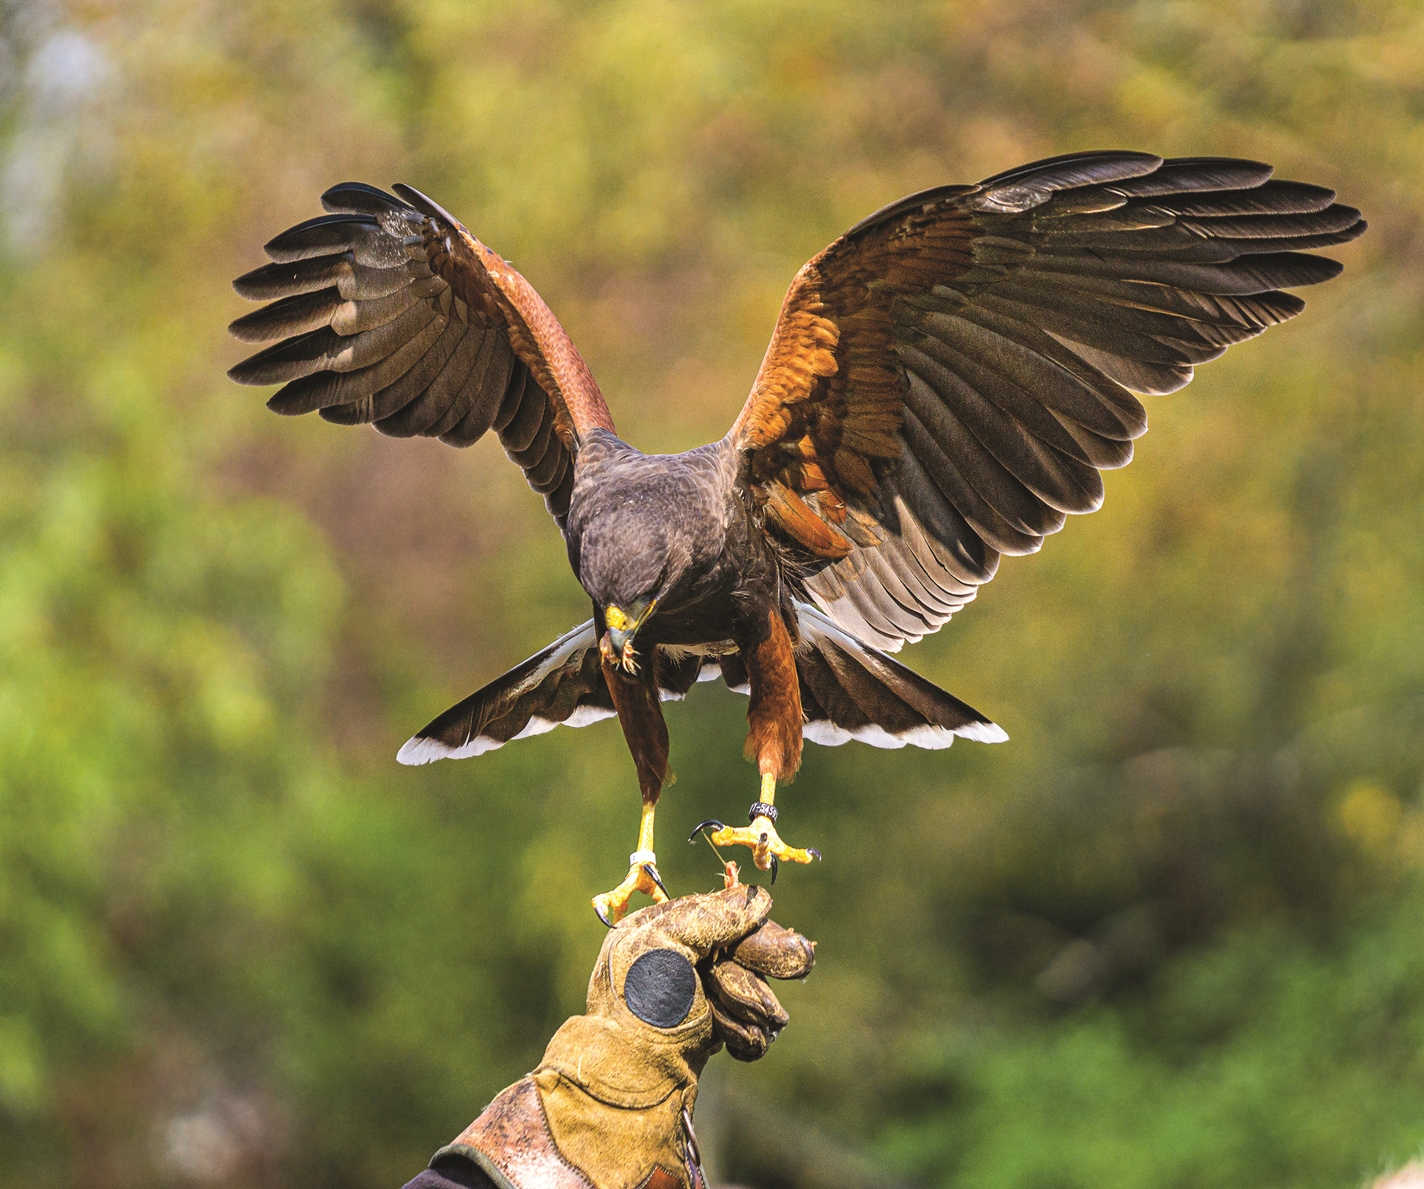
point(610, 1106)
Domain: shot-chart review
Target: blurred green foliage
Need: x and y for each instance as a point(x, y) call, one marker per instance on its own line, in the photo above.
point(1170, 935)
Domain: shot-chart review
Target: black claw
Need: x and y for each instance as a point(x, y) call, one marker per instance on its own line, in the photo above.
point(652, 873)
point(598, 912)
point(709, 826)
point(811, 850)
point(774, 866)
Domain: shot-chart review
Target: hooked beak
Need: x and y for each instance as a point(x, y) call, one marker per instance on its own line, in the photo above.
point(623, 624)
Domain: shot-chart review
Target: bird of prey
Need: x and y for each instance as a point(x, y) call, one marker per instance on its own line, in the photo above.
point(944, 385)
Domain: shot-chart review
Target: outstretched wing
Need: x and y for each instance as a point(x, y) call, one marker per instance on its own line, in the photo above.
point(390, 312)
point(947, 379)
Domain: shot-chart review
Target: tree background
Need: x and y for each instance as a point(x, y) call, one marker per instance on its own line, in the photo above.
point(1168, 936)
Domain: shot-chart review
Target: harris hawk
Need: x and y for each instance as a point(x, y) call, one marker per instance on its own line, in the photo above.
point(944, 385)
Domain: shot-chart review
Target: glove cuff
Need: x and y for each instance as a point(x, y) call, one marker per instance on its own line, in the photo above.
point(511, 1141)
point(548, 1132)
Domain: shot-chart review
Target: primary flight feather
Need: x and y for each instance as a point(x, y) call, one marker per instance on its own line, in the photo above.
point(944, 384)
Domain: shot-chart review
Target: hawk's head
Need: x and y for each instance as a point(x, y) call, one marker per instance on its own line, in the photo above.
point(626, 564)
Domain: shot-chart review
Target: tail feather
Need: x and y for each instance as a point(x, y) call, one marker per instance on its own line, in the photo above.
point(848, 691)
point(561, 685)
point(852, 691)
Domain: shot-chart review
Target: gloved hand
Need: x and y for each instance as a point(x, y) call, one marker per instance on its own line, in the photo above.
point(610, 1106)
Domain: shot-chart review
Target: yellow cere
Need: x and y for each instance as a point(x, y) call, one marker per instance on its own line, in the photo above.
point(617, 619)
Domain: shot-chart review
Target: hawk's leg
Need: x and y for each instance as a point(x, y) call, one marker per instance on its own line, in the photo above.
point(642, 877)
point(768, 851)
point(774, 741)
point(636, 700)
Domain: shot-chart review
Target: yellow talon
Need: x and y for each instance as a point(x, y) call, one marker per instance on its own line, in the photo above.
point(766, 846)
point(765, 843)
point(642, 876)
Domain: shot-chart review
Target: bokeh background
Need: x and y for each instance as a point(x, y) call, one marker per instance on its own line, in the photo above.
point(1171, 935)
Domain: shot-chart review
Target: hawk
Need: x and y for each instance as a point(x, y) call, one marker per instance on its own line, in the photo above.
point(944, 385)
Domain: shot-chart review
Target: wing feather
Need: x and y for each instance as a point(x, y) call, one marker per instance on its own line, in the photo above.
point(948, 379)
point(386, 310)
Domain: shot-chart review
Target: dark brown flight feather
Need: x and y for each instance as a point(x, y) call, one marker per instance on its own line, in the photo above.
point(958, 367)
point(390, 312)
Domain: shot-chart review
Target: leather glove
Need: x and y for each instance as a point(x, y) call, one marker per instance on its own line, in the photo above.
point(610, 1106)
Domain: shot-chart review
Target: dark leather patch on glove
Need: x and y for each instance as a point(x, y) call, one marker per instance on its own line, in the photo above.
point(660, 988)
